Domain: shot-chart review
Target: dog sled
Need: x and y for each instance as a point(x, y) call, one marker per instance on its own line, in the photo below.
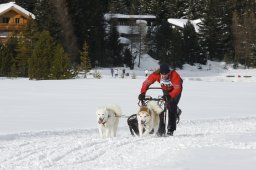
point(133, 122)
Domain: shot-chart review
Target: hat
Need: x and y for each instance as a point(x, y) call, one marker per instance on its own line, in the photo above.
point(164, 69)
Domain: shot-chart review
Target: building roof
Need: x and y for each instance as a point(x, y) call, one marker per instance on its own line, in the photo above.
point(182, 22)
point(109, 16)
point(12, 6)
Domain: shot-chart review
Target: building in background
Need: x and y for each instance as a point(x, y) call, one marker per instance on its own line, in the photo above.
point(180, 23)
point(13, 19)
point(130, 27)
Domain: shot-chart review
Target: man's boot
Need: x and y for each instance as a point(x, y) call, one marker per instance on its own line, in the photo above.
point(169, 132)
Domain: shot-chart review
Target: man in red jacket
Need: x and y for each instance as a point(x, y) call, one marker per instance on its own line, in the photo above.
point(171, 84)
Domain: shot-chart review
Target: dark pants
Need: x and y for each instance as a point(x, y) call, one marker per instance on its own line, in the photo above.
point(172, 109)
point(172, 105)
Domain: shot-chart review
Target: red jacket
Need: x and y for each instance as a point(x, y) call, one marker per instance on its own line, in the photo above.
point(174, 88)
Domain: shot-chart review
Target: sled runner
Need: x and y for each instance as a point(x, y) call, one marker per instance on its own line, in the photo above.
point(133, 122)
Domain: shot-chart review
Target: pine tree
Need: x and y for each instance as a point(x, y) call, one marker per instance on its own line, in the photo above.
point(60, 68)
point(194, 9)
point(11, 45)
point(26, 43)
point(41, 60)
point(31, 32)
point(167, 9)
point(146, 7)
point(27, 4)
point(253, 56)
point(114, 48)
point(67, 36)
point(149, 41)
point(169, 45)
point(243, 29)
point(175, 53)
point(85, 64)
point(118, 7)
point(149, 7)
point(23, 55)
point(45, 13)
point(89, 25)
point(6, 61)
point(181, 8)
point(227, 37)
point(163, 41)
point(215, 37)
point(208, 36)
point(134, 7)
point(128, 58)
point(191, 46)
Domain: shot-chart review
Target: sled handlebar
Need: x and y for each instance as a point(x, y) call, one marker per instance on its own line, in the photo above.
point(149, 98)
point(154, 88)
point(154, 99)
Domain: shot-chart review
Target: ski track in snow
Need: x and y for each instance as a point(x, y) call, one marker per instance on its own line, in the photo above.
point(83, 149)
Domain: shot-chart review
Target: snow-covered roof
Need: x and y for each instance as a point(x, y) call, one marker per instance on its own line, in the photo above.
point(109, 16)
point(12, 6)
point(140, 21)
point(182, 22)
point(124, 40)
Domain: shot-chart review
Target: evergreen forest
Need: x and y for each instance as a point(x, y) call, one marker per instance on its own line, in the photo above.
point(68, 36)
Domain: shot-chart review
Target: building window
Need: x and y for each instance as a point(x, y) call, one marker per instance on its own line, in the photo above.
point(4, 33)
point(17, 20)
point(6, 20)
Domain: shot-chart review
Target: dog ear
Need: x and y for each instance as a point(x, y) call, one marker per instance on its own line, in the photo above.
point(109, 109)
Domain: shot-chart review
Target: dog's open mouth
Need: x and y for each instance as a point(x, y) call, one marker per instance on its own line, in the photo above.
point(143, 122)
point(100, 121)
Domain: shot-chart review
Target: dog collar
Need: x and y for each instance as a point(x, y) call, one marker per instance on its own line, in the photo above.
point(103, 123)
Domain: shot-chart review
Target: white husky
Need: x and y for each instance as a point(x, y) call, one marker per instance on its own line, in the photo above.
point(108, 119)
point(148, 118)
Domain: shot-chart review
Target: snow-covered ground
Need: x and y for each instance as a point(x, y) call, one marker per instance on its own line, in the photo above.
point(52, 124)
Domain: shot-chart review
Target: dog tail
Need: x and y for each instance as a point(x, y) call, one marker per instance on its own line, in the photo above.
point(116, 109)
point(153, 105)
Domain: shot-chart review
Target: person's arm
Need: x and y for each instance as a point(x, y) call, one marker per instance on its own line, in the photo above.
point(150, 80)
point(177, 84)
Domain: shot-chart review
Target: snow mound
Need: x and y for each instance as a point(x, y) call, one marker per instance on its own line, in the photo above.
point(83, 149)
point(146, 62)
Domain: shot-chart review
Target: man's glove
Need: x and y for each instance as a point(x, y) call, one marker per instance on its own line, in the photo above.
point(141, 96)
